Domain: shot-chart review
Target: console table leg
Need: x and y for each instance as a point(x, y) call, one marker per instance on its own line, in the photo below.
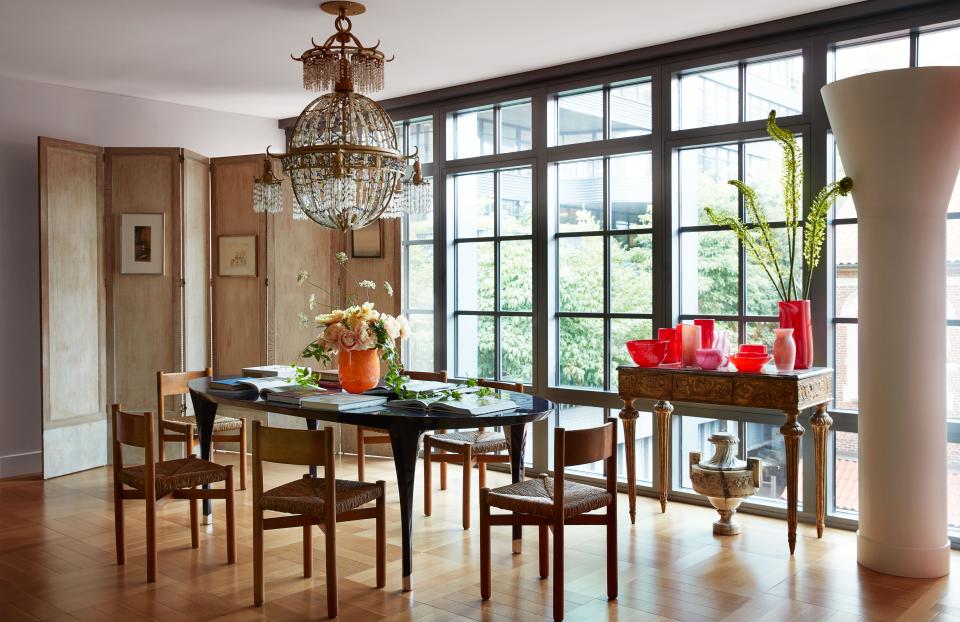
point(629, 418)
point(821, 423)
point(664, 409)
point(792, 431)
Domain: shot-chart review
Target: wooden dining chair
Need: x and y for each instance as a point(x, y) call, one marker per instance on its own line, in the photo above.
point(323, 501)
point(552, 504)
point(371, 436)
point(170, 479)
point(468, 447)
point(182, 428)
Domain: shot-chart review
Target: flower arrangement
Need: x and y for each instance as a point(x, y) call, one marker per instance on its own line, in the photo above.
point(759, 239)
point(356, 327)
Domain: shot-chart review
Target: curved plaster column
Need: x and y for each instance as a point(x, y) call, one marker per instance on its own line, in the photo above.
point(898, 133)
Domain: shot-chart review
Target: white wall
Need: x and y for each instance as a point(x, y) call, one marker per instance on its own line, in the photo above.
point(28, 110)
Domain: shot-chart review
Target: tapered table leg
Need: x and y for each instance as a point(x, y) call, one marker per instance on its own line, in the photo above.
point(792, 431)
point(664, 411)
point(518, 441)
point(405, 441)
point(206, 412)
point(821, 423)
point(628, 416)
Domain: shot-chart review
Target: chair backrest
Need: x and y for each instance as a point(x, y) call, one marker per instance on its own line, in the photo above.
point(134, 429)
point(285, 446)
point(440, 376)
point(574, 447)
point(175, 383)
point(499, 385)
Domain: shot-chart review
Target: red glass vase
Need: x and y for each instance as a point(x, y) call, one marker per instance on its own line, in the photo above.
point(795, 314)
point(359, 370)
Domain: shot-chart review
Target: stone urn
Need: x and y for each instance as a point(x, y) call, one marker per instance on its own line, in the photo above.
point(725, 480)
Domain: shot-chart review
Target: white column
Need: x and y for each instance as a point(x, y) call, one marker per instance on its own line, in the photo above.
point(898, 133)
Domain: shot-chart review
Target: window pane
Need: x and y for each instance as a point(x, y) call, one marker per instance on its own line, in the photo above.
point(581, 352)
point(421, 137)
point(702, 176)
point(579, 117)
point(843, 206)
point(708, 98)
point(580, 195)
point(580, 261)
point(516, 205)
point(516, 276)
point(516, 349)
point(953, 269)
point(846, 492)
point(761, 332)
point(475, 276)
point(474, 204)
point(846, 271)
point(953, 373)
point(515, 127)
point(846, 395)
point(419, 347)
point(631, 273)
point(420, 225)
point(763, 171)
point(764, 441)
point(473, 133)
point(420, 276)
point(940, 47)
point(774, 85)
point(571, 417)
point(853, 60)
point(475, 341)
point(709, 271)
point(694, 432)
point(623, 330)
point(630, 110)
point(631, 191)
point(762, 297)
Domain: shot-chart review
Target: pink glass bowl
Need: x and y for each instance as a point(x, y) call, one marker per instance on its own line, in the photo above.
point(647, 352)
point(756, 348)
point(750, 361)
point(709, 358)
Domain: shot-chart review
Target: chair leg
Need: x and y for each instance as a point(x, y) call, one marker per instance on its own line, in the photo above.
point(361, 451)
point(427, 478)
point(382, 537)
point(231, 518)
point(558, 571)
point(482, 468)
point(467, 476)
point(307, 551)
point(189, 446)
point(195, 522)
point(243, 454)
point(484, 545)
point(330, 531)
point(151, 498)
point(612, 552)
point(443, 472)
point(257, 555)
point(118, 523)
point(544, 552)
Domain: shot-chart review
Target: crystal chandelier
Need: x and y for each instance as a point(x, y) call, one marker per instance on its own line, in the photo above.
point(267, 190)
point(344, 161)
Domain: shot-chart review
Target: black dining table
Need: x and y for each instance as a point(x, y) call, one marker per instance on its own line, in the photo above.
point(405, 426)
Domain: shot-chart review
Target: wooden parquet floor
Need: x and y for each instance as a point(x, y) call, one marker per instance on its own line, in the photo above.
point(57, 563)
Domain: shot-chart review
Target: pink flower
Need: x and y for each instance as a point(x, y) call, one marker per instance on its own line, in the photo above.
point(349, 340)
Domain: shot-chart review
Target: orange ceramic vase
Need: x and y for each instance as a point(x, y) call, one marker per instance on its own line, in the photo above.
point(359, 370)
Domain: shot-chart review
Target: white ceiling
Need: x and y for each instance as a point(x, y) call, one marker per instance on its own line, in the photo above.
point(233, 55)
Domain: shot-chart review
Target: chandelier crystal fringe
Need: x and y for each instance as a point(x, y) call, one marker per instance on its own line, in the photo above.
point(267, 190)
point(344, 161)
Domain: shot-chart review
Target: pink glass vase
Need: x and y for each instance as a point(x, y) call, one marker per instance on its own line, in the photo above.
point(784, 349)
point(795, 314)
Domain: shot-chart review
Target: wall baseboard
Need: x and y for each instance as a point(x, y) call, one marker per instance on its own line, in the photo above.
point(21, 464)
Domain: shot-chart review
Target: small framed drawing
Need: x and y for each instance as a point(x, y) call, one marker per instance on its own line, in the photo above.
point(368, 242)
point(237, 255)
point(141, 244)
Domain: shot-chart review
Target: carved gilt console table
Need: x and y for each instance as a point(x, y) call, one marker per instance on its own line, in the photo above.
point(786, 392)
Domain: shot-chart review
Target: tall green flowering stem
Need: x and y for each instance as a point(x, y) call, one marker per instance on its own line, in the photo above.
point(758, 238)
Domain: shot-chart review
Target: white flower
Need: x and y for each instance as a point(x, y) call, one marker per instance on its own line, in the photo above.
point(388, 288)
point(303, 320)
point(368, 284)
point(302, 277)
point(312, 301)
point(341, 257)
point(404, 327)
point(391, 326)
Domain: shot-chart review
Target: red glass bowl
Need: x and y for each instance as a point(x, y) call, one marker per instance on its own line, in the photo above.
point(647, 352)
point(750, 362)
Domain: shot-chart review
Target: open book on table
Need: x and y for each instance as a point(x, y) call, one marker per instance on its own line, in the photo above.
point(263, 386)
point(467, 405)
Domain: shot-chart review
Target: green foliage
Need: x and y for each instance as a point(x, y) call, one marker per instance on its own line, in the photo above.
point(758, 238)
